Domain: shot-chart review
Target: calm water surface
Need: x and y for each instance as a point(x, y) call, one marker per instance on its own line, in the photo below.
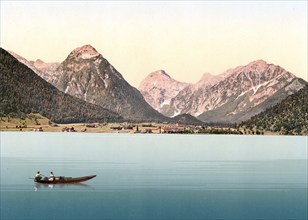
point(154, 176)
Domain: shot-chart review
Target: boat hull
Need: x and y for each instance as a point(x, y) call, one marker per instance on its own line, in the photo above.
point(65, 180)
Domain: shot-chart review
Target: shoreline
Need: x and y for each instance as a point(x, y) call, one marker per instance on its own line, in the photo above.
point(80, 128)
point(38, 123)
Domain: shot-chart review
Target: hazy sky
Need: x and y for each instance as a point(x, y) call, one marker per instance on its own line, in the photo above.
point(186, 39)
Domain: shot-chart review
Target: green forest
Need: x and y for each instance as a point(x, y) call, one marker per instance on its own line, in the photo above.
point(288, 117)
point(23, 92)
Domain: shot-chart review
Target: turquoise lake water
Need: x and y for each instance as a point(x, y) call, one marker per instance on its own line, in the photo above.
point(154, 176)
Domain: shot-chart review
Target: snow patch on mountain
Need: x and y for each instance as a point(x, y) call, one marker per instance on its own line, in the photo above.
point(166, 102)
point(158, 88)
point(230, 96)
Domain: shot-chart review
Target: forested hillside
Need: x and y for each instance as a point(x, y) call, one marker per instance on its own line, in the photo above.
point(287, 117)
point(186, 119)
point(23, 92)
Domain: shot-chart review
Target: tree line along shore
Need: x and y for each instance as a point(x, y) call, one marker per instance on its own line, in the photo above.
point(37, 123)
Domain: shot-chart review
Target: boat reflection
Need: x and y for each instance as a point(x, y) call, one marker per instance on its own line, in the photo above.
point(42, 186)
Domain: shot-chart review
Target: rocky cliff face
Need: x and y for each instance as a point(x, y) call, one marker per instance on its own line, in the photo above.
point(44, 70)
point(22, 92)
point(235, 95)
point(87, 75)
point(158, 88)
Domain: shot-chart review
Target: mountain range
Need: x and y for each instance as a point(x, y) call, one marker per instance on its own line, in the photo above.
point(87, 75)
point(22, 92)
point(231, 97)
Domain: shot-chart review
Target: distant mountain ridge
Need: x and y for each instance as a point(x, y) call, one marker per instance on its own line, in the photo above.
point(44, 70)
point(22, 92)
point(158, 88)
point(233, 96)
point(87, 75)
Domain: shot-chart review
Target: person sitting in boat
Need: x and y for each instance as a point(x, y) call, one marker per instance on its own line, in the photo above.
point(51, 177)
point(38, 176)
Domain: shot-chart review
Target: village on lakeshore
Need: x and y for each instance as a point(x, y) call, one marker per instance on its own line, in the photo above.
point(38, 123)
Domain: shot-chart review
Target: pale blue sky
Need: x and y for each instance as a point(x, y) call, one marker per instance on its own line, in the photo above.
point(185, 38)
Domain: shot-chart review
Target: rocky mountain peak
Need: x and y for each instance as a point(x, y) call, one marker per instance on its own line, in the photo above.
point(259, 62)
point(159, 74)
point(158, 88)
point(232, 96)
point(87, 75)
point(257, 65)
point(154, 79)
point(39, 63)
point(84, 52)
point(206, 75)
point(159, 79)
point(207, 79)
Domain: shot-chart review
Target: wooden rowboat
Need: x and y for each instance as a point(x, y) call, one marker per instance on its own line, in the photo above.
point(64, 180)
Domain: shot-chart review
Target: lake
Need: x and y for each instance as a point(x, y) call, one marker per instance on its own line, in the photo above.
point(148, 176)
